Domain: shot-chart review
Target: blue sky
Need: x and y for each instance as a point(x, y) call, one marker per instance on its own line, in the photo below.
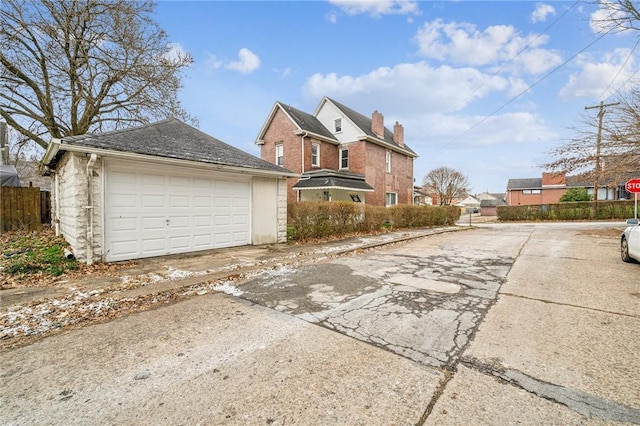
point(487, 88)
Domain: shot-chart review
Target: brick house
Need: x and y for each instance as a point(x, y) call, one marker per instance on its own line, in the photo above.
point(340, 154)
point(552, 185)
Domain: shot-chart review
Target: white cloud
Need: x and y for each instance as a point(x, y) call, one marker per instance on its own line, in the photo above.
point(247, 62)
point(377, 8)
point(461, 132)
point(541, 12)
point(176, 53)
point(594, 77)
point(408, 87)
point(464, 44)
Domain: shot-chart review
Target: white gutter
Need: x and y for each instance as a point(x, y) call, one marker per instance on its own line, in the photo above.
point(89, 208)
point(302, 136)
point(52, 150)
point(167, 160)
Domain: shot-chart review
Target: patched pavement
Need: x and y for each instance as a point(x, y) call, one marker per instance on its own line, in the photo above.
point(424, 308)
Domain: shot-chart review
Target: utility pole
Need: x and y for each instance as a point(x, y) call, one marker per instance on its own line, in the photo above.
point(596, 178)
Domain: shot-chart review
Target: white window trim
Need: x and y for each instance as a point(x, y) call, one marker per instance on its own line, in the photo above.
point(335, 127)
point(317, 162)
point(395, 199)
point(387, 159)
point(341, 158)
point(280, 146)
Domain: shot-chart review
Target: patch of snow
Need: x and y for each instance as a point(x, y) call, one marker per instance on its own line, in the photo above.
point(228, 288)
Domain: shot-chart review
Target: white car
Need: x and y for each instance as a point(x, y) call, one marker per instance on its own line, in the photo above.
point(630, 242)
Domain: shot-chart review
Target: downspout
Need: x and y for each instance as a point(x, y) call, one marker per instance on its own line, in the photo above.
point(305, 134)
point(89, 207)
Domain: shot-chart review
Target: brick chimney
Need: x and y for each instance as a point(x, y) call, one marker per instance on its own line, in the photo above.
point(554, 179)
point(398, 134)
point(377, 124)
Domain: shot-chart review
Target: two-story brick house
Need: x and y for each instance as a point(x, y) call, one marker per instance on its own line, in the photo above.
point(340, 154)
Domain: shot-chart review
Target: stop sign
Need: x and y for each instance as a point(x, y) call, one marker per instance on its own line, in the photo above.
point(633, 185)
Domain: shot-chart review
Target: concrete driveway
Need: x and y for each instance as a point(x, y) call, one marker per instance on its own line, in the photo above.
point(518, 324)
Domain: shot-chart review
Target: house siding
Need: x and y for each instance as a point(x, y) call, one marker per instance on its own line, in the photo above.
point(399, 181)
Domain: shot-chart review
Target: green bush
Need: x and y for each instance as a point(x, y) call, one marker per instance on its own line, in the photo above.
point(607, 210)
point(313, 219)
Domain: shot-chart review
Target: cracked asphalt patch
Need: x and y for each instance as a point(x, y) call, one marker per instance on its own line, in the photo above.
point(422, 307)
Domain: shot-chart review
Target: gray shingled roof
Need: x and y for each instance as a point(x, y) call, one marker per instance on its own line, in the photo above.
point(171, 138)
point(364, 123)
point(307, 122)
point(529, 183)
point(333, 179)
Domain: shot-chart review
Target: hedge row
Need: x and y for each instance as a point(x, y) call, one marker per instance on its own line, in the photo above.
point(313, 219)
point(567, 211)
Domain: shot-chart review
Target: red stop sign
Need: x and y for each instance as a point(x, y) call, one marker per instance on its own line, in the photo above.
point(633, 185)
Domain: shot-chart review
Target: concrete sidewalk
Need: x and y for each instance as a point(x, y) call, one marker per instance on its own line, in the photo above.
point(177, 271)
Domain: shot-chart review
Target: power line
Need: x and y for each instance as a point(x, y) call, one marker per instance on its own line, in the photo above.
point(528, 88)
point(520, 52)
point(621, 68)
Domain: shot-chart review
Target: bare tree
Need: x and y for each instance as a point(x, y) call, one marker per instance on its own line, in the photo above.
point(71, 67)
point(445, 183)
point(617, 15)
point(619, 152)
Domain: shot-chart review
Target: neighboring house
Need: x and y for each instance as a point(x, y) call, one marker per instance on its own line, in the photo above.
point(159, 189)
point(490, 196)
point(550, 188)
point(470, 203)
point(532, 191)
point(340, 154)
point(421, 197)
point(489, 207)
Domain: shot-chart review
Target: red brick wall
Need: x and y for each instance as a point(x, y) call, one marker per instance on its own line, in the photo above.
point(400, 180)
point(546, 196)
point(281, 129)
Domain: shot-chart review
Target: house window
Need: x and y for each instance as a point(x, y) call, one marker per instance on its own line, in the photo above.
point(355, 198)
point(344, 158)
point(387, 161)
point(530, 191)
point(392, 199)
point(280, 154)
point(337, 124)
point(315, 155)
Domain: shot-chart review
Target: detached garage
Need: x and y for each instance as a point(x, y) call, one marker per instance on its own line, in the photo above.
point(159, 189)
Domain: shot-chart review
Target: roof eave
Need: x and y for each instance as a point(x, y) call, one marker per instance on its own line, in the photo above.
point(385, 144)
point(170, 160)
point(316, 136)
point(334, 187)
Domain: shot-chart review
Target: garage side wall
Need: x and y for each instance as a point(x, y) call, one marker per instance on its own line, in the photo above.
point(70, 215)
point(266, 212)
point(282, 210)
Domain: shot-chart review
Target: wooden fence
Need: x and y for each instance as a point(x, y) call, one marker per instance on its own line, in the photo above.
point(20, 208)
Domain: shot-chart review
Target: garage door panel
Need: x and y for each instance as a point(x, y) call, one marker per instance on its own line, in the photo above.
point(153, 201)
point(126, 224)
point(152, 179)
point(150, 223)
point(151, 214)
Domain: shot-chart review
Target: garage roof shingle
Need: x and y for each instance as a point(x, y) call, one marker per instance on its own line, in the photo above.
point(171, 138)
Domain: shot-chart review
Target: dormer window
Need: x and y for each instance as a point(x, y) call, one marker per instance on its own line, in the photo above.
point(338, 125)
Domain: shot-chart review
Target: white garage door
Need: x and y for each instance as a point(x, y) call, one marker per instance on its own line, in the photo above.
point(159, 210)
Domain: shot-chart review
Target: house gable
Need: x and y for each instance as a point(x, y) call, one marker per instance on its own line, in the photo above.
point(381, 157)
